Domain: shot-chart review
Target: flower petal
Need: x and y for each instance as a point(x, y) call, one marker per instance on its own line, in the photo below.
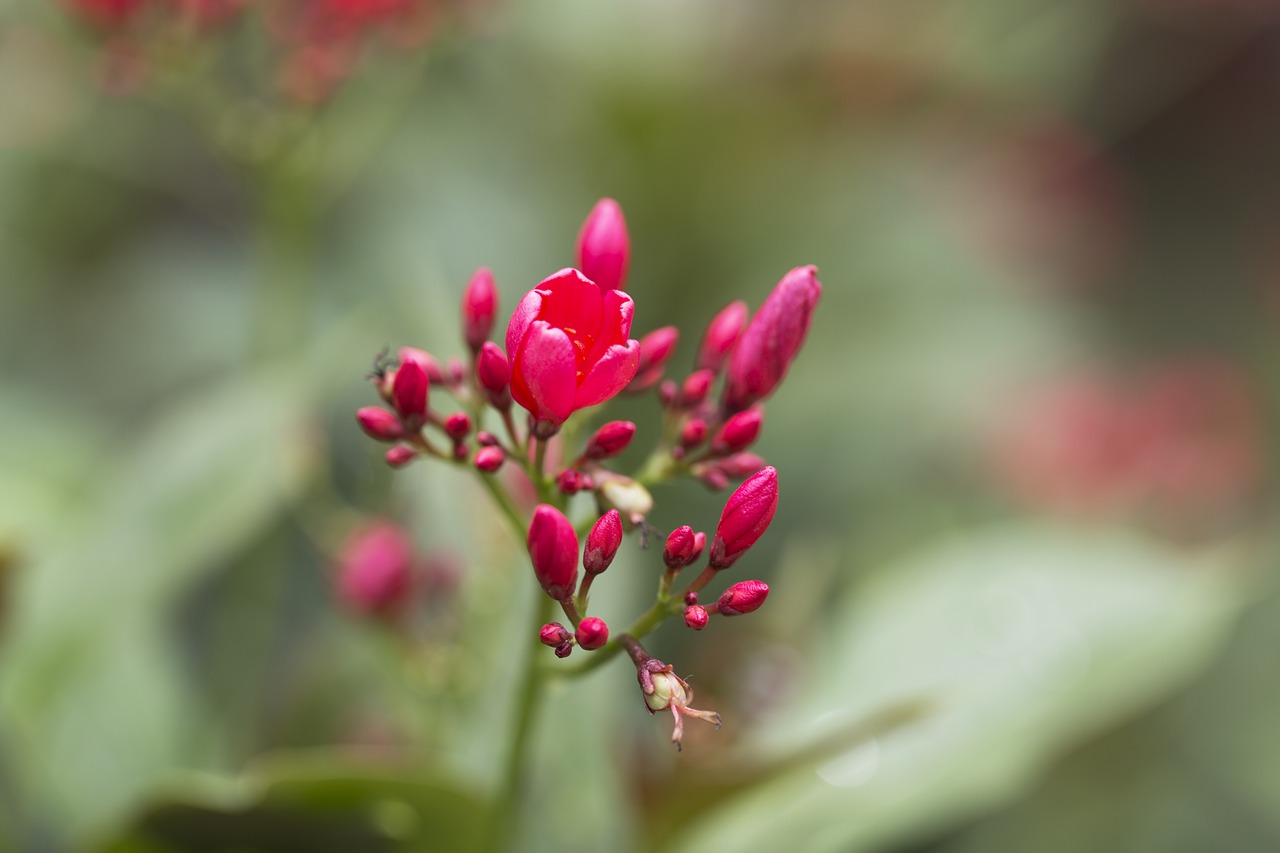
point(572, 301)
point(526, 312)
point(609, 375)
point(548, 370)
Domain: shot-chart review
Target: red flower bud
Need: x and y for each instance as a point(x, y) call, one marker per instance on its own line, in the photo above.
point(743, 597)
point(592, 633)
point(107, 13)
point(494, 375)
point(379, 424)
point(553, 550)
point(696, 617)
point(655, 351)
point(693, 433)
point(375, 569)
point(682, 547)
point(604, 249)
point(690, 598)
point(746, 516)
point(564, 649)
point(455, 372)
point(400, 456)
point(479, 306)
point(772, 338)
point(722, 333)
point(602, 543)
point(409, 394)
point(457, 425)
point(738, 432)
point(489, 459)
point(568, 345)
point(553, 634)
point(610, 440)
point(571, 481)
point(425, 360)
point(695, 388)
point(668, 391)
point(484, 438)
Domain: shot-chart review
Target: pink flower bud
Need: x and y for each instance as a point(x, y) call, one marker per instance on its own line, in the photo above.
point(610, 440)
point(668, 391)
point(695, 387)
point(564, 649)
point(553, 634)
point(682, 547)
point(457, 425)
point(739, 465)
point(409, 394)
point(425, 360)
point(455, 372)
point(569, 347)
point(602, 543)
point(571, 481)
point(655, 351)
point(379, 424)
point(722, 333)
point(489, 459)
point(746, 516)
point(604, 249)
point(696, 617)
point(484, 438)
point(772, 338)
point(592, 633)
point(400, 456)
point(375, 569)
point(479, 306)
point(553, 550)
point(738, 432)
point(693, 433)
point(494, 375)
point(743, 597)
point(690, 598)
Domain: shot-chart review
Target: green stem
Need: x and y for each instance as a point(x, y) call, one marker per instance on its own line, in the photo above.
point(519, 527)
point(527, 701)
point(651, 619)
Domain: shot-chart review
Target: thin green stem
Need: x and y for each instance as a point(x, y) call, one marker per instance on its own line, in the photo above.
point(519, 527)
point(643, 626)
point(527, 701)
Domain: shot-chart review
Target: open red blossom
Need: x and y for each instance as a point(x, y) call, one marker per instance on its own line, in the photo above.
point(569, 347)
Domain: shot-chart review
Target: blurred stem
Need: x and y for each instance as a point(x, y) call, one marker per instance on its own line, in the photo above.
point(528, 698)
point(519, 527)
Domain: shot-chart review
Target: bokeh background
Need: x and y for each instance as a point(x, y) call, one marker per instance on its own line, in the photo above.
point(1025, 560)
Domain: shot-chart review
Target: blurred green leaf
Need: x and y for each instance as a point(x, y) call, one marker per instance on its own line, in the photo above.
point(1023, 640)
point(92, 700)
point(314, 802)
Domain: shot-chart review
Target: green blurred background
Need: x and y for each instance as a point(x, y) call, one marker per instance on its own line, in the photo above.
point(1049, 235)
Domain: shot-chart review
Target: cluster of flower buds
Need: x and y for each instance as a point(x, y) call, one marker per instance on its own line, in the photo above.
point(568, 348)
point(318, 41)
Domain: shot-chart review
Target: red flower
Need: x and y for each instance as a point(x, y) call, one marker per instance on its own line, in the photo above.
point(569, 347)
